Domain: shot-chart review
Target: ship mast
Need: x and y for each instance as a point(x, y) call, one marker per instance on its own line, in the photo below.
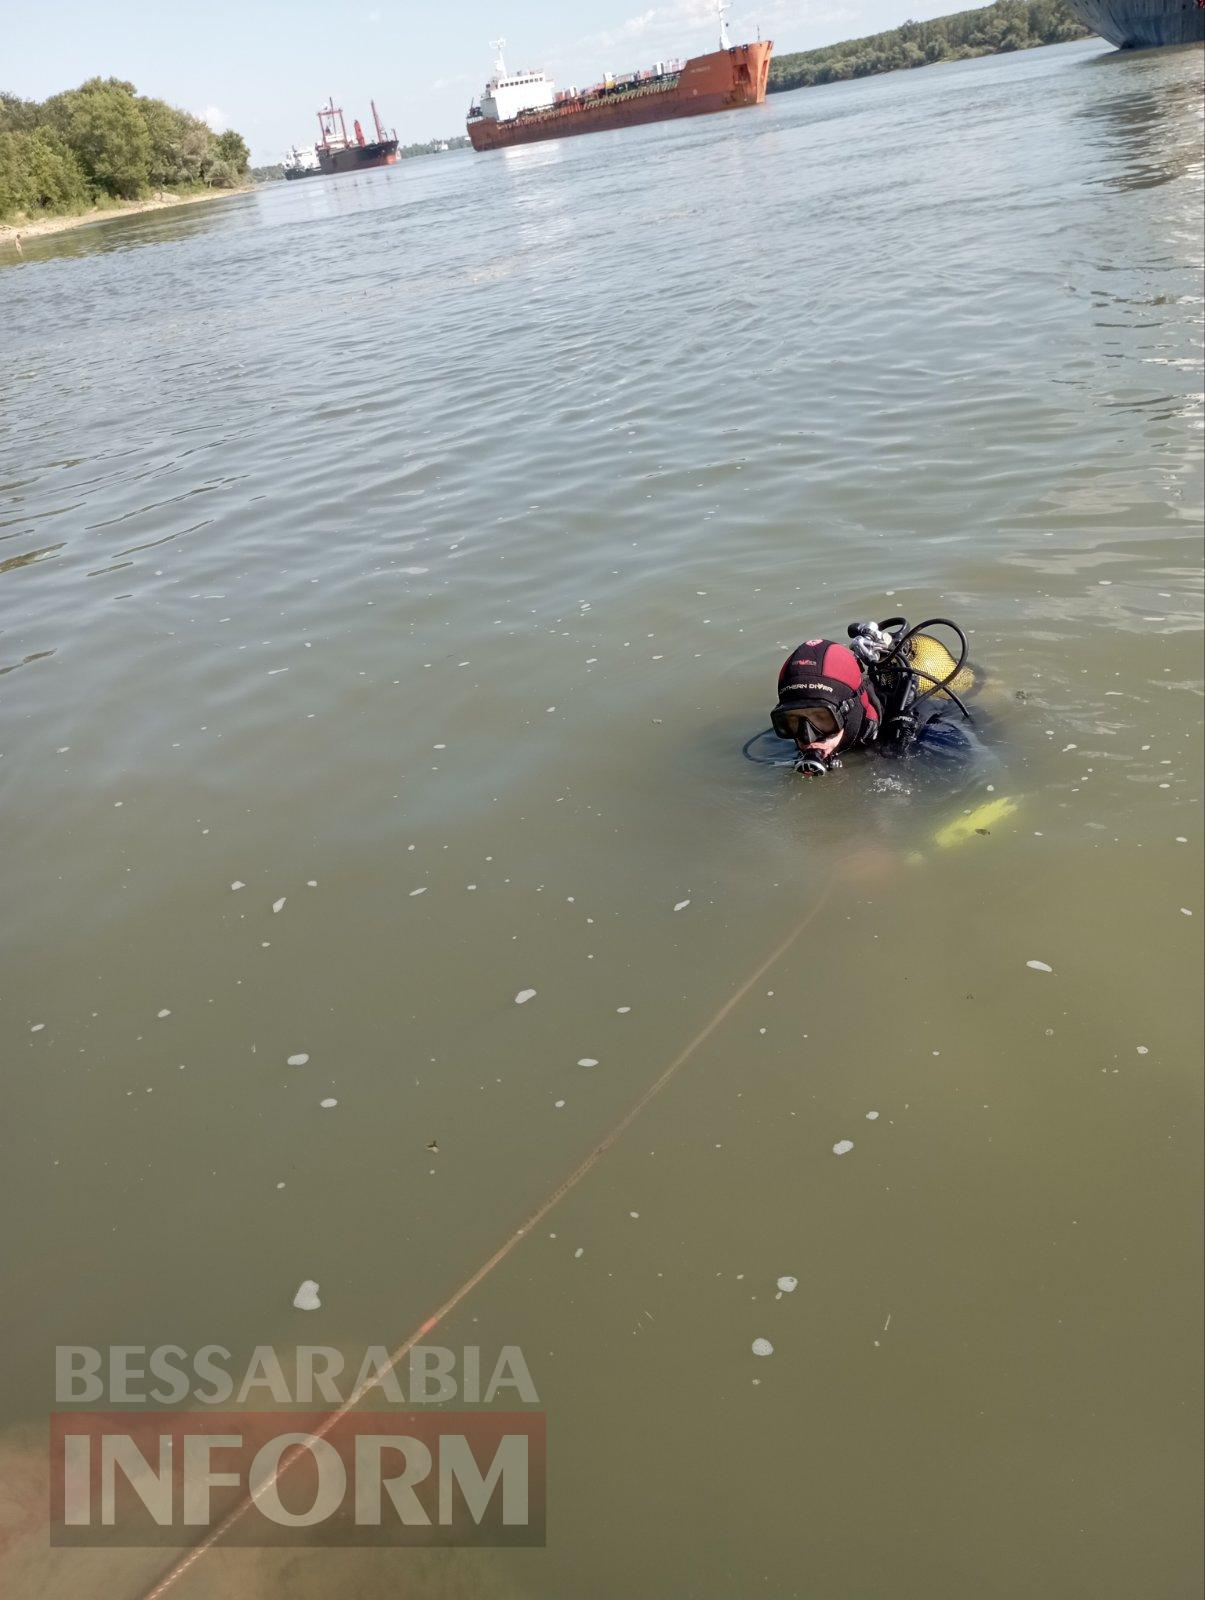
point(326, 124)
point(499, 64)
point(722, 11)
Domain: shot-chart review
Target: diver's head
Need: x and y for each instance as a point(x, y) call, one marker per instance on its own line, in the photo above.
point(823, 706)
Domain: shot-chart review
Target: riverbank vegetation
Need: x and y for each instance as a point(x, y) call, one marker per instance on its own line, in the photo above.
point(102, 144)
point(1007, 25)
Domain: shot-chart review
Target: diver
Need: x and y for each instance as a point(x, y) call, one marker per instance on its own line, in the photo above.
point(893, 689)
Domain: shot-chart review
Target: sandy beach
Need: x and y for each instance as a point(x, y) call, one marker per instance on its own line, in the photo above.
point(14, 233)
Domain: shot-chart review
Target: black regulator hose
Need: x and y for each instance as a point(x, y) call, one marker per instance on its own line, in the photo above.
point(936, 685)
point(760, 761)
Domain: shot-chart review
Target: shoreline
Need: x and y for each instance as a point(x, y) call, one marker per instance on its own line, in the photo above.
point(40, 227)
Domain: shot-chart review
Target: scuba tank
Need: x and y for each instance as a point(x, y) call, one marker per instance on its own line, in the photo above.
point(914, 676)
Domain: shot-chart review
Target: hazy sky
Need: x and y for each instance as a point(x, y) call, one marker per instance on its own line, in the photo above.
point(264, 66)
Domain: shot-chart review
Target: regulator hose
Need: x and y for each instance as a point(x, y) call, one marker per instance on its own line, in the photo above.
point(936, 685)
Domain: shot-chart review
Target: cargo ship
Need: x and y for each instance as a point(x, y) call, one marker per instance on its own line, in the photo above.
point(337, 153)
point(522, 107)
point(1142, 24)
point(301, 163)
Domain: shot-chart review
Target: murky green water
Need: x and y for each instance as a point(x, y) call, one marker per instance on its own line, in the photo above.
point(442, 530)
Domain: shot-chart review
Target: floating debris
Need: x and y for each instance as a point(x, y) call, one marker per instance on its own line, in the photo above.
point(843, 1147)
point(681, 905)
point(306, 1298)
point(524, 995)
point(279, 905)
point(762, 1347)
point(328, 1105)
point(872, 1116)
point(238, 884)
point(587, 1061)
point(787, 1284)
point(298, 1060)
point(1039, 966)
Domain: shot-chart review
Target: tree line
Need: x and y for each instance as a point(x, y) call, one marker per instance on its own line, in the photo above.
point(105, 142)
point(1007, 25)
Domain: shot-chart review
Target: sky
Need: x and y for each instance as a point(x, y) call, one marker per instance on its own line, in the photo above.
point(264, 66)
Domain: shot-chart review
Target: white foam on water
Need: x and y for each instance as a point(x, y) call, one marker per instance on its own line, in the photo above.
point(843, 1147)
point(762, 1347)
point(306, 1298)
point(524, 995)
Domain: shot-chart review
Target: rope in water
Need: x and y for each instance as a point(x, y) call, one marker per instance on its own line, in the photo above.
point(237, 1512)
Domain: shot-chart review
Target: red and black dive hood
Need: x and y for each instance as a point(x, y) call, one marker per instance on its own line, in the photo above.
point(824, 674)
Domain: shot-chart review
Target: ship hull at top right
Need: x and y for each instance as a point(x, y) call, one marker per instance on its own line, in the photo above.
point(1142, 24)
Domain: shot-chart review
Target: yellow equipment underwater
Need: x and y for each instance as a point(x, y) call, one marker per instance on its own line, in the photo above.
point(978, 821)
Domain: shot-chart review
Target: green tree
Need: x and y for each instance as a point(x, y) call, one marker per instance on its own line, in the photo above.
point(1007, 25)
point(17, 115)
point(232, 148)
point(166, 131)
point(39, 174)
point(104, 126)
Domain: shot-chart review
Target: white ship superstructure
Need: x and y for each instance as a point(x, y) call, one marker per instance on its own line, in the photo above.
point(300, 163)
point(508, 93)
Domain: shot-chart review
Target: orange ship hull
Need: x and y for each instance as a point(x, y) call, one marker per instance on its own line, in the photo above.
point(722, 81)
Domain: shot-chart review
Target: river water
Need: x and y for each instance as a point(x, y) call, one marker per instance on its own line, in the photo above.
point(392, 569)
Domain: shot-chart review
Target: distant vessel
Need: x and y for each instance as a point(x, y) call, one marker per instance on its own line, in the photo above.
point(522, 107)
point(1142, 24)
point(335, 152)
point(301, 163)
